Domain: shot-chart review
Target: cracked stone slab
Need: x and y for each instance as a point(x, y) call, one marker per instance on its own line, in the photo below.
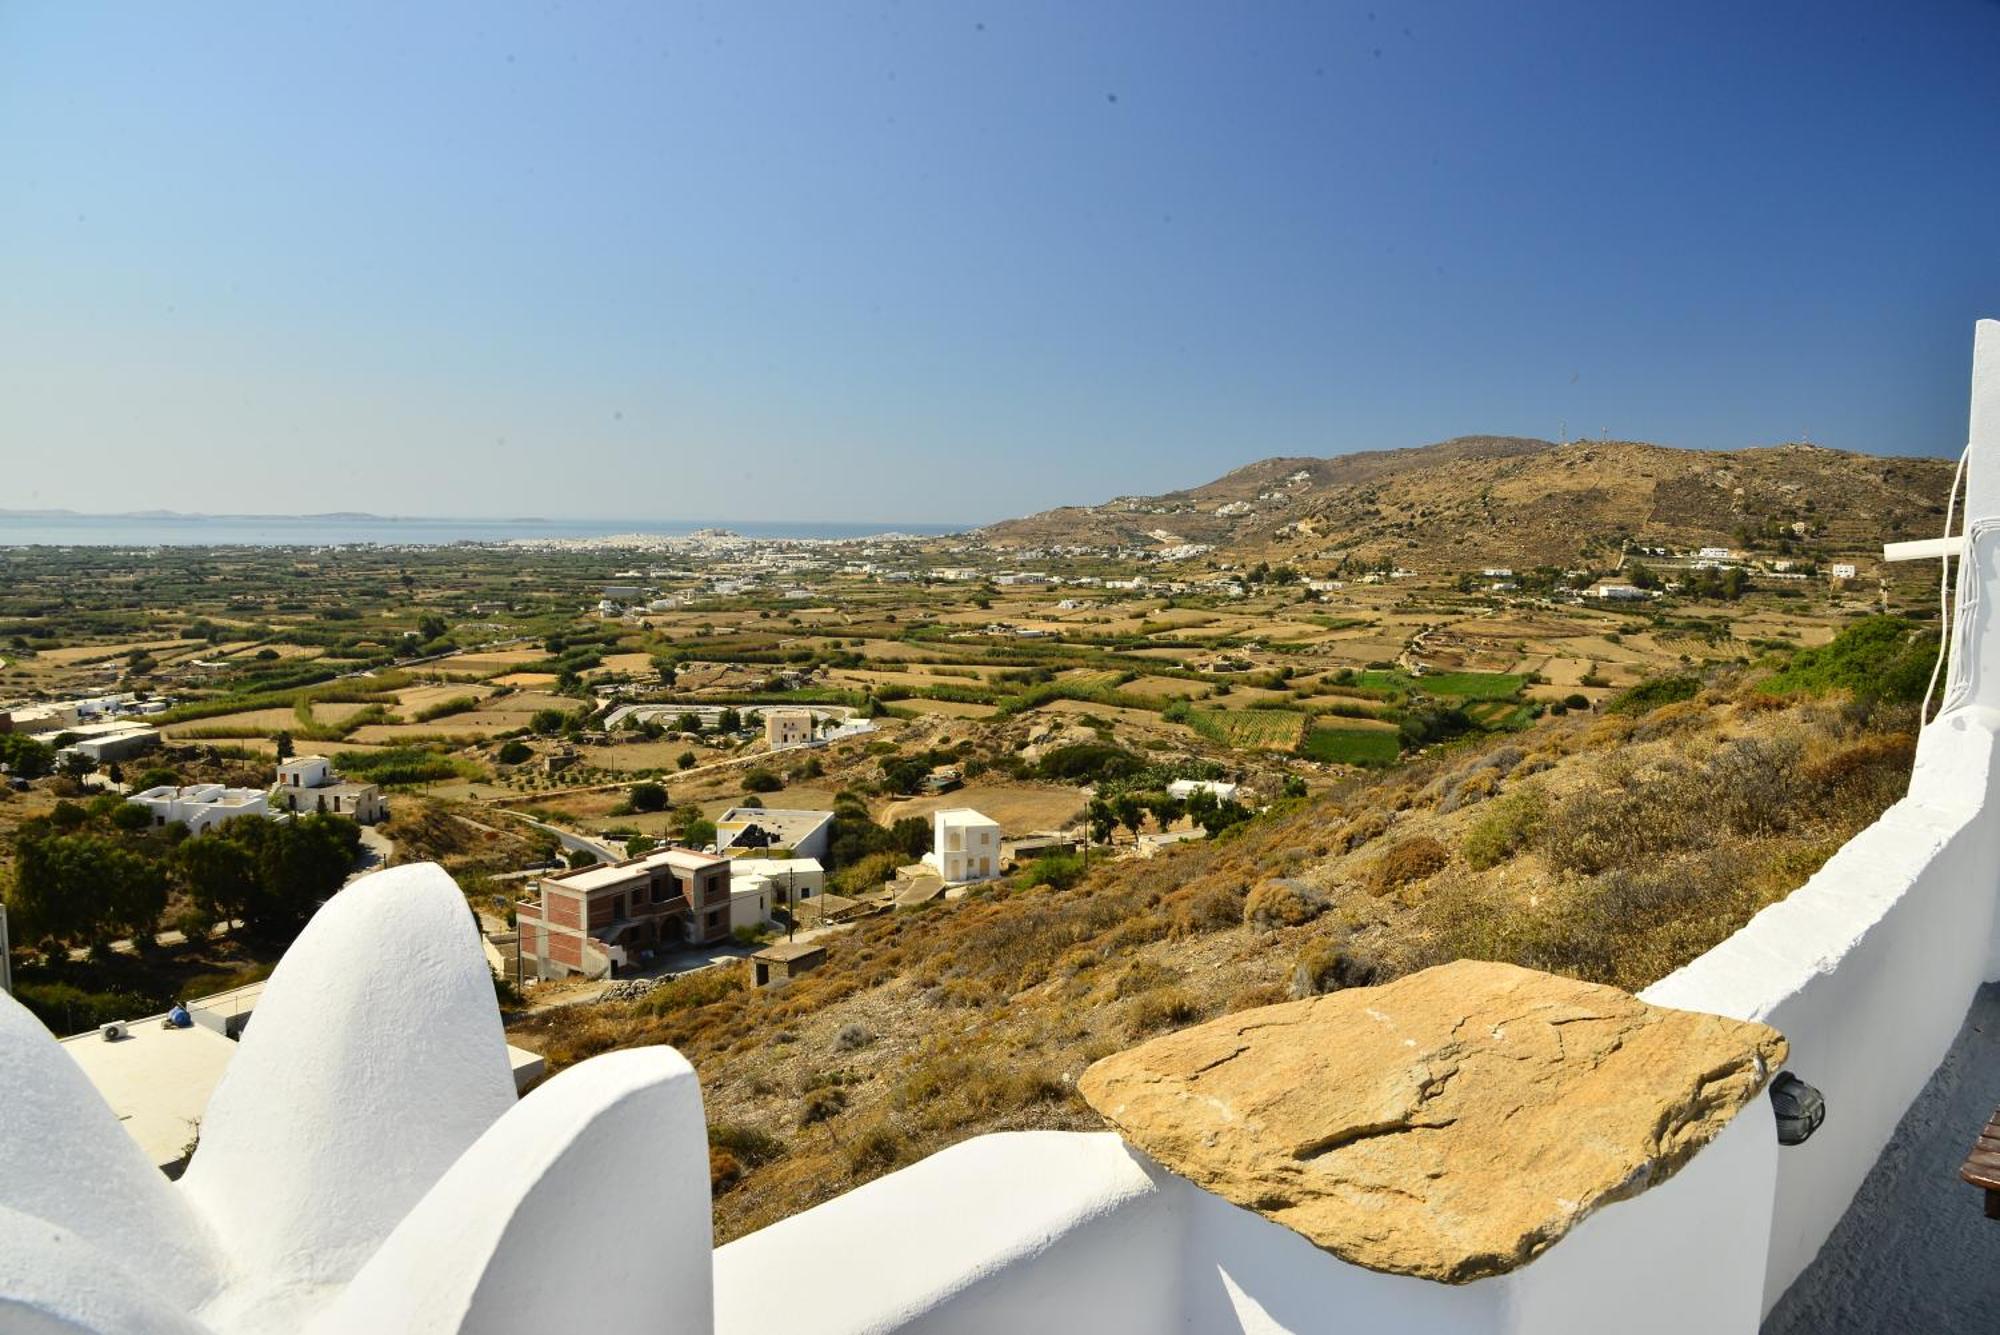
point(1452, 1124)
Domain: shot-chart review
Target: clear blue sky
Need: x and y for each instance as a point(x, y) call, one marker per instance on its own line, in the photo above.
point(946, 262)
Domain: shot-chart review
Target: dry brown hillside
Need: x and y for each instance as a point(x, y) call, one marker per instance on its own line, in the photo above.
point(1609, 847)
point(1512, 501)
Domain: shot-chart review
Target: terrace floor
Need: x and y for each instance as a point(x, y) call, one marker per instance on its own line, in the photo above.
point(1915, 1251)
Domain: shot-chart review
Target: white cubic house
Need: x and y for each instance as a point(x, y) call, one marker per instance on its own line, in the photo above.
point(201, 806)
point(309, 784)
point(965, 846)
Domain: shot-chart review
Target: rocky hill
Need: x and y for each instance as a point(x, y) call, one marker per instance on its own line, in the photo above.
point(1508, 500)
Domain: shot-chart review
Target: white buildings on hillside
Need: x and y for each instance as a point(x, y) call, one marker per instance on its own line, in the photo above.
point(107, 743)
point(1842, 570)
point(759, 887)
point(1183, 789)
point(805, 833)
point(965, 846)
point(308, 784)
point(201, 806)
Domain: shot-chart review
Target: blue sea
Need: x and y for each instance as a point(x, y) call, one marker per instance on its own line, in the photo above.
point(341, 530)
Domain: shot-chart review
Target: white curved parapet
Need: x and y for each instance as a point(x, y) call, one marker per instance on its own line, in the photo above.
point(363, 1165)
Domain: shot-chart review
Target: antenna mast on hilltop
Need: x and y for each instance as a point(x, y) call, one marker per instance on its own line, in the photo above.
point(1563, 431)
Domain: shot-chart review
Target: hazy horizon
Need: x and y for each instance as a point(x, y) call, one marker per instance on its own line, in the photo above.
point(948, 265)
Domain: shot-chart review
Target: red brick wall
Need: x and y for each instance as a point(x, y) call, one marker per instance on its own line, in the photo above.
point(564, 908)
point(566, 949)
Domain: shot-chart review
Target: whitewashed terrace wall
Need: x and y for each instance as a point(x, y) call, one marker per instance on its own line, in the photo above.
point(1868, 969)
point(1044, 1232)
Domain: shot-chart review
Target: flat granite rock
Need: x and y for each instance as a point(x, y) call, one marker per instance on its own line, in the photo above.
point(1452, 1124)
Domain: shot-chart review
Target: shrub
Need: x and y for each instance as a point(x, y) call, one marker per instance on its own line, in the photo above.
point(1141, 976)
point(1504, 829)
point(852, 1038)
point(747, 1144)
point(822, 1105)
point(1368, 825)
point(1880, 656)
point(1407, 862)
point(1086, 762)
point(193, 924)
point(1208, 908)
point(1168, 1008)
point(1057, 870)
point(1282, 902)
point(648, 797)
point(1650, 695)
point(878, 1147)
point(1328, 966)
point(513, 751)
point(762, 781)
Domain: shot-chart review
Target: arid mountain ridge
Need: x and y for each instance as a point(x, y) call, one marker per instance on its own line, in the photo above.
point(1513, 500)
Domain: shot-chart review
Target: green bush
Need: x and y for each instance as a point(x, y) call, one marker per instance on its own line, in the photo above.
point(1650, 695)
point(1879, 657)
point(1086, 762)
point(1058, 870)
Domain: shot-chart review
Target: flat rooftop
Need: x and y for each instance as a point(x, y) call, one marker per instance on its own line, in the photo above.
point(607, 874)
point(158, 1079)
point(787, 827)
point(786, 952)
point(775, 868)
point(963, 816)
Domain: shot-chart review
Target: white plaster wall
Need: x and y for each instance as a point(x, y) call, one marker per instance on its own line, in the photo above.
point(1050, 1231)
point(1016, 1233)
point(1867, 970)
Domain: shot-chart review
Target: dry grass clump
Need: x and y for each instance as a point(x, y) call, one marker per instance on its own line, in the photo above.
point(1405, 863)
point(1283, 902)
point(1167, 1008)
point(1144, 975)
point(1367, 826)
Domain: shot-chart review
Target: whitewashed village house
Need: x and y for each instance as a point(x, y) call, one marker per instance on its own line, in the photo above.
point(965, 846)
point(308, 784)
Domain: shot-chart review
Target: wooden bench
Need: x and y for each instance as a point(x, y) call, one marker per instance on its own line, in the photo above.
point(1982, 1166)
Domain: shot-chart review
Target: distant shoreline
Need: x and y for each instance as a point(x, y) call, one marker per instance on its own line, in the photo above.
point(46, 528)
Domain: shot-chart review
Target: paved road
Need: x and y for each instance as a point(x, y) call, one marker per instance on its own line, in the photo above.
point(578, 843)
point(378, 850)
